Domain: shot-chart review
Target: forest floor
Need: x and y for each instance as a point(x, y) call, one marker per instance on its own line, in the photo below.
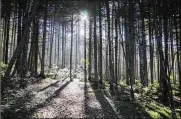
point(62, 98)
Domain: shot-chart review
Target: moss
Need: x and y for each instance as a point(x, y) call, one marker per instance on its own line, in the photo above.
point(2, 65)
point(3, 68)
point(153, 114)
point(122, 84)
point(165, 112)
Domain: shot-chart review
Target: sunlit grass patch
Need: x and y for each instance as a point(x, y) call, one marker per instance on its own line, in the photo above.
point(165, 112)
point(153, 114)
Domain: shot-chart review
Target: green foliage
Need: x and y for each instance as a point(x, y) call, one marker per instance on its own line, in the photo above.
point(85, 61)
point(176, 87)
point(175, 92)
point(146, 89)
point(122, 83)
point(164, 111)
point(150, 106)
point(152, 88)
point(3, 68)
point(138, 83)
point(158, 110)
point(38, 115)
point(153, 114)
point(156, 84)
point(138, 86)
point(171, 78)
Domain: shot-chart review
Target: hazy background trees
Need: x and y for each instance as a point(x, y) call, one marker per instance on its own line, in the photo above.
point(114, 41)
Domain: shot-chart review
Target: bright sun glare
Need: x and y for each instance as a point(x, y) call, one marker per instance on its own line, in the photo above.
point(84, 15)
point(82, 31)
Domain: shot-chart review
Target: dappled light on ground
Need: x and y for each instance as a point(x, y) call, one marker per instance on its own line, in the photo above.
point(62, 98)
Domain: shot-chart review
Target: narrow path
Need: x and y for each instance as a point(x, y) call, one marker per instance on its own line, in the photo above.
point(74, 99)
point(62, 98)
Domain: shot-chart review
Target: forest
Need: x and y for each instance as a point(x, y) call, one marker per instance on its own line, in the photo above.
point(90, 59)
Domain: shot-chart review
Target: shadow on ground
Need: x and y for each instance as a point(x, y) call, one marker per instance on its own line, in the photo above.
point(19, 110)
point(125, 108)
point(53, 84)
point(105, 110)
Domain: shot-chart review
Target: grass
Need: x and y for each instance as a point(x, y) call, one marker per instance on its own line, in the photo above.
point(144, 105)
point(153, 114)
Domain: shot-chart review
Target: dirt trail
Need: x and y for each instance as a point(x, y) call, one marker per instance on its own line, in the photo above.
point(72, 100)
point(62, 98)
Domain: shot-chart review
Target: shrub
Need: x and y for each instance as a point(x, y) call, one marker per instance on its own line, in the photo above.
point(3, 68)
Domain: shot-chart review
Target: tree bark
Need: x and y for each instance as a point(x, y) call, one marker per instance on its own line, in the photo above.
point(85, 52)
point(110, 52)
point(116, 51)
point(142, 53)
point(18, 50)
point(95, 48)
point(71, 48)
point(90, 48)
point(100, 43)
point(42, 72)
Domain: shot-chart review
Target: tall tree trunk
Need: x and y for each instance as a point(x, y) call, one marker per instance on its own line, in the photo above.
point(112, 40)
point(110, 52)
point(180, 48)
point(51, 42)
point(100, 43)
point(36, 46)
point(76, 47)
point(7, 28)
point(71, 48)
point(95, 47)
point(131, 46)
point(143, 58)
point(55, 45)
point(90, 48)
point(166, 82)
point(0, 48)
point(64, 63)
point(85, 52)
point(24, 56)
point(151, 44)
point(18, 50)
point(0, 41)
point(116, 51)
point(126, 51)
point(79, 43)
point(58, 62)
point(42, 72)
point(19, 36)
point(63, 38)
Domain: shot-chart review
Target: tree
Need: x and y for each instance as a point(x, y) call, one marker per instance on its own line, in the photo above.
point(71, 47)
point(109, 41)
point(51, 42)
point(100, 43)
point(116, 50)
point(95, 47)
point(142, 50)
point(85, 51)
point(42, 72)
point(90, 48)
point(18, 50)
